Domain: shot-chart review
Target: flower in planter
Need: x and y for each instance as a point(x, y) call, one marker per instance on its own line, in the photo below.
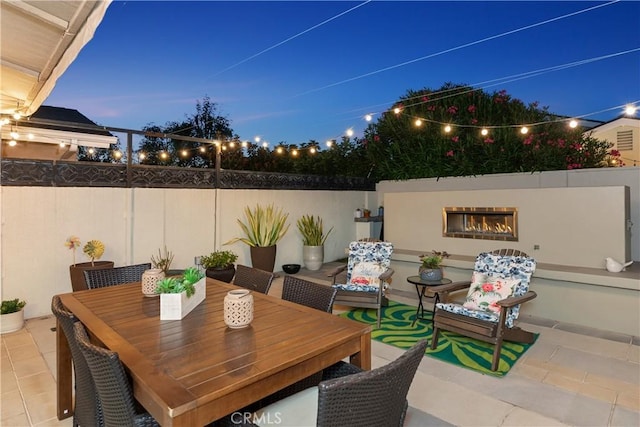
point(94, 249)
point(72, 243)
point(176, 285)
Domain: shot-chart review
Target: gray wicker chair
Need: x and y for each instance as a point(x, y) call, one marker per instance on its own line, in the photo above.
point(308, 293)
point(115, 276)
point(87, 410)
point(253, 278)
point(112, 384)
point(368, 398)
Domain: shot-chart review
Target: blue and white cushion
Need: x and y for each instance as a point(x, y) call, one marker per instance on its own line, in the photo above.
point(367, 260)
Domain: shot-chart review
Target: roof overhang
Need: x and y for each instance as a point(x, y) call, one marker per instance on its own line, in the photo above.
point(39, 40)
point(68, 138)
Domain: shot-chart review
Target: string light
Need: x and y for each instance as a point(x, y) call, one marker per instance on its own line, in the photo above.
point(368, 117)
point(397, 110)
point(117, 154)
point(484, 132)
point(630, 110)
point(12, 143)
point(447, 128)
point(329, 143)
point(92, 151)
point(349, 132)
point(524, 130)
point(418, 122)
point(142, 156)
point(573, 124)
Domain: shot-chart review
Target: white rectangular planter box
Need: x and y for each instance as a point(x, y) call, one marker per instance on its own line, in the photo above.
point(176, 306)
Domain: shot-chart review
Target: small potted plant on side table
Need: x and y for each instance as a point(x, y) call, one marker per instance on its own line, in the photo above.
point(431, 267)
point(219, 265)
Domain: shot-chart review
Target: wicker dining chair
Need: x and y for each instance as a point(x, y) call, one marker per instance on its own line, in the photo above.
point(308, 293)
point(112, 384)
point(115, 276)
point(253, 278)
point(87, 410)
point(368, 398)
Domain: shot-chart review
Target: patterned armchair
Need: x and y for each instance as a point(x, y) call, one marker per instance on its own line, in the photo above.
point(368, 274)
point(500, 283)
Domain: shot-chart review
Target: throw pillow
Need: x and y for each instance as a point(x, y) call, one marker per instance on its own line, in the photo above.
point(485, 291)
point(366, 274)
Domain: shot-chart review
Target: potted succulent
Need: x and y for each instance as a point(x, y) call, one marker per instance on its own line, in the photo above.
point(219, 265)
point(265, 226)
point(180, 295)
point(12, 315)
point(431, 265)
point(163, 260)
point(94, 249)
point(313, 238)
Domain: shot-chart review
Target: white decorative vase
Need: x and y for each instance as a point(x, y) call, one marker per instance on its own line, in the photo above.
point(313, 257)
point(11, 322)
point(150, 279)
point(238, 308)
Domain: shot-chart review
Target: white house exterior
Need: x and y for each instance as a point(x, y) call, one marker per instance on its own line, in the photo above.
point(624, 133)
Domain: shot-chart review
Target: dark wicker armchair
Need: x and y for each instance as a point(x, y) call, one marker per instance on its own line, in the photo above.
point(368, 398)
point(87, 410)
point(308, 293)
point(112, 384)
point(115, 276)
point(253, 279)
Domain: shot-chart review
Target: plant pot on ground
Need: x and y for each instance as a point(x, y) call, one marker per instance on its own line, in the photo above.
point(12, 315)
point(219, 265)
point(313, 239)
point(265, 226)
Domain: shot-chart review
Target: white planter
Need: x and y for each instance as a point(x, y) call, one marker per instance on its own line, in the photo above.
point(11, 322)
point(176, 306)
point(313, 257)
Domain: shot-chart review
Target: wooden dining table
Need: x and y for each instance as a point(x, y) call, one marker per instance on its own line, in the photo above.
point(193, 371)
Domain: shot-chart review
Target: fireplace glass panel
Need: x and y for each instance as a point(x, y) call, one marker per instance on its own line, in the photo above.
point(481, 223)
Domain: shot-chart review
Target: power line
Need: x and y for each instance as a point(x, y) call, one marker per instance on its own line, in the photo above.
point(291, 38)
point(402, 64)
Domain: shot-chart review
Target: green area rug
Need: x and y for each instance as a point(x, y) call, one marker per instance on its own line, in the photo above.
point(470, 353)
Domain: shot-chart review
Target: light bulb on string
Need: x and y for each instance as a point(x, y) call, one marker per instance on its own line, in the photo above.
point(573, 124)
point(630, 110)
point(279, 150)
point(142, 156)
point(265, 144)
point(312, 150)
point(184, 153)
point(244, 144)
point(368, 117)
point(12, 143)
point(418, 122)
point(257, 139)
point(447, 129)
point(524, 130)
point(294, 153)
point(224, 148)
point(92, 151)
point(203, 150)
point(117, 154)
point(164, 155)
point(484, 132)
point(397, 110)
point(329, 143)
point(349, 132)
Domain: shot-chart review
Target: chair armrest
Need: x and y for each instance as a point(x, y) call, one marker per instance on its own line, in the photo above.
point(451, 287)
point(512, 301)
point(386, 275)
point(333, 273)
point(338, 370)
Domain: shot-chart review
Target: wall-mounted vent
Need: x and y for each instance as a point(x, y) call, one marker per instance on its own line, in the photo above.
point(624, 140)
point(480, 223)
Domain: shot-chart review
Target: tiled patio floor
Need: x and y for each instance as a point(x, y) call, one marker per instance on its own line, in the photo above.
point(570, 376)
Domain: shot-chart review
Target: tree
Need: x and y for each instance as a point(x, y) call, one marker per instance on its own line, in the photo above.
point(401, 149)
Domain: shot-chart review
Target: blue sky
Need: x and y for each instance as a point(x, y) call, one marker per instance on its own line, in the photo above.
point(295, 71)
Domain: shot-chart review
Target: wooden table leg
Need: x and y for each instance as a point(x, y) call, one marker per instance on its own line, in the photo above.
point(363, 358)
point(63, 372)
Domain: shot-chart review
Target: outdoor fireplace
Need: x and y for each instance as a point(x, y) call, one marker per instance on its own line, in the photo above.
point(480, 223)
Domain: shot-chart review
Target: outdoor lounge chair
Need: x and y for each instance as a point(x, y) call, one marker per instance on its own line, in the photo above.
point(368, 273)
point(500, 283)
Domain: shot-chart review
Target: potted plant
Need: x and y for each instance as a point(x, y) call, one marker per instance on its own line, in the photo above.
point(180, 295)
point(265, 226)
point(219, 265)
point(313, 238)
point(431, 266)
point(163, 260)
point(12, 315)
point(94, 249)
